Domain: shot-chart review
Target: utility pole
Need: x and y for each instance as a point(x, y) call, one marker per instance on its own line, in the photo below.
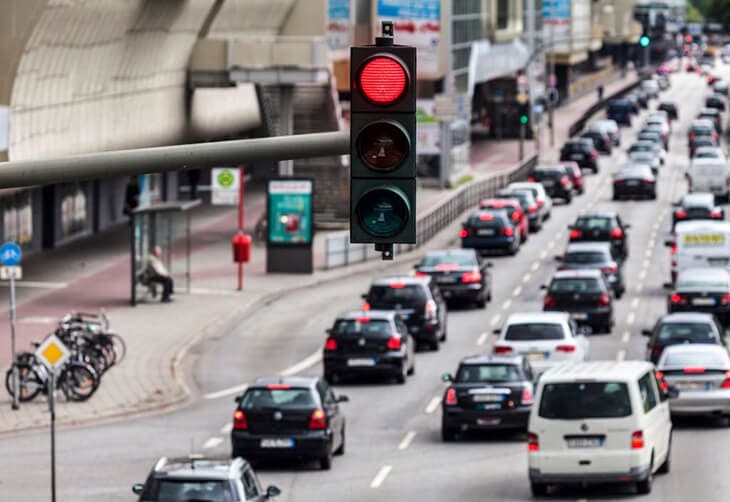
point(448, 89)
point(551, 71)
point(530, 70)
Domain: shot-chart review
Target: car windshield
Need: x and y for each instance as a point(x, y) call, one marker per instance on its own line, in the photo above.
point(176, 490)
point(387, 297)
point(483, 373)
point(281, 397)
point(534, 331)
point(708, 154)
point(687, 332)
point(581, 400)
point(583, 285)
point(585, 257)
point(703, 359)
point(460, 259)
point(362, 326)
point(594, 223)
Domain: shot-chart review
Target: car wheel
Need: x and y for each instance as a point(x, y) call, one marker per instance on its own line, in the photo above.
point(447, 435)
point(434, 345)
point(412, 369)
point(667, 465)
point(568, 199)
point(538, 489)
point(400, 377)
point(653, 196)
point(595, 170)
point(341, 449)
point(643, 487)
point(615, 196)
point(482, 303)
point(325, 463)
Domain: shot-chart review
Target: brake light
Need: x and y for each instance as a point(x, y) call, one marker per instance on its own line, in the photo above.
point(637, 440)
point(532, 208)
point(604, 299)
point(502, 349)
point(446, 266)
point(662, 383)
point(430, 310)
point(526, 396)
point(575, 234)
point(611, 269)
point(464, 233)
point(451, 397)
point(673, 248)
point(420, 274)
point(517, 216)
point(471, 277)
point(533, 442)
point(239, 420)
point(531, 179)
point(394, 343)
point(278, 386)
point(714, 136)
point(676, 299)
point(691, 136)
point(508, 231)
point(694, 369)
point(619, 182)
point(647, 181)
point(616, 233)
point(540, 203)
point(564, 181)
point(726, 383)
point(565, 348)
point(397, 285)
point(716, 213)
point(548, 301)
point(486, 217)
point(330, 344)
point(318, 420)
point(680, 214)
point(362, 319)
point(365, 306)
point(594, 154)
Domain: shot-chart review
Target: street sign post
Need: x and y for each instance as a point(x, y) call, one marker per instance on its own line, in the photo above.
point(10, 256)
point(224, 183)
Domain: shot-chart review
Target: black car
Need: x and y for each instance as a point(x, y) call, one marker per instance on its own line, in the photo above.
point(461, 275)
point(487, 392)
point(595, 255)
point(581, 151)
point(715, 101)
point(296, 418)
point(556, 181)
point(671, 108)
point(685, 327)
point(419, 302)
point(699, 142)
point(601, 141)
point(702, 290)
point(367, 344)
point(585, 295)
point(529, 206)
point(490, 230)
point(634, 181)
point(697, 206)
point(621, 111)
point(714, 115)
point(602, 226)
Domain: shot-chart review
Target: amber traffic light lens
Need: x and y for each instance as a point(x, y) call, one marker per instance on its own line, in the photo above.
point(383, 146)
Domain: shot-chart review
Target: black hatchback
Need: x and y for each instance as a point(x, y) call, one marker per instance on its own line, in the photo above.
point(556, 181)
point(680, 328)
point(634, 181)
point(595, 255)
point(581, 151)
point(487, 392)
point(295, 418)
point(585, 295)
point(419, 302)
point(704, 289)
point(602, 226)
point(461, 274)
point(491, 230)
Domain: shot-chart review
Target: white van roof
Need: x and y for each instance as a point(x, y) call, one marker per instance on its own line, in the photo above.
point(702, 226)
point(623, 371)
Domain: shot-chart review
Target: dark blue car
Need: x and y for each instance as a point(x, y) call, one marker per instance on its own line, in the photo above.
point(491, 230)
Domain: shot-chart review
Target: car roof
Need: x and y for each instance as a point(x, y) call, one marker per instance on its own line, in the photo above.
point(702, 122)
point(452, 251)
point(199, 468)
point(703, 273)
point(643, 142)
point(682, 317)
point(492, 359)
point(709, 148)
point(544, 167)
point(709, 111)
point(695, 225)
point(695, 198)
point(588, 246)
point(385, 315)
point(694, 348)
point(500, 201)
point(408, 280)
point(294, 381)
point(707, 161)
point(620, 371)
point(597, 214)
point(535, 317)
point(526, 184)
point(586, 273)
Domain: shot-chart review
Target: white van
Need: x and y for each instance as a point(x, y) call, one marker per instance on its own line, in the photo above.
point(598, 422)
point(709, 175)
point(700, 243)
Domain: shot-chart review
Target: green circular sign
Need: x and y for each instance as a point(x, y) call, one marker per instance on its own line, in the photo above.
point(226, 178)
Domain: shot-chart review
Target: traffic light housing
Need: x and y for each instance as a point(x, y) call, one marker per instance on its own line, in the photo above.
point(644, 41)
point(383, 144)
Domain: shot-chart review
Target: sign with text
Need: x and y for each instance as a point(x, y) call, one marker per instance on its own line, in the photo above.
point(224, 183)
point(290, 211)
point(417, 23)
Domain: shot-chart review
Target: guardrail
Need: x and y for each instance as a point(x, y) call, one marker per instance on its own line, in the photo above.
point(339, 252)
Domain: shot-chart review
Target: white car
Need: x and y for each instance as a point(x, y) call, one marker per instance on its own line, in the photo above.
point(709, 152)
point(544, 201)
point(599, 422)
point(709, 175)
point(646, 158)
point(545, 339)
point(609, 127)
point(651, 87)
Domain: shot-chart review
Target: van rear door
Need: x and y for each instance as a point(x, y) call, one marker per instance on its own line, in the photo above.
point(703, 247)
point(708, 176)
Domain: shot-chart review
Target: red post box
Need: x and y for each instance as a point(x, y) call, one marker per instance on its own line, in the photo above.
point(241, 248)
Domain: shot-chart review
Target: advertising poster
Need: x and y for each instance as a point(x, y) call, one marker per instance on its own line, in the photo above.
point(339, 26)
point(556, 25)
point(290, 211)
point(416, 23)
point(427, 128)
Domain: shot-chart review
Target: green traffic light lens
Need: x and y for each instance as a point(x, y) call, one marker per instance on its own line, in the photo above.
point(644, 41)
point(523, 119)
point(383, 146)
point(383, 212)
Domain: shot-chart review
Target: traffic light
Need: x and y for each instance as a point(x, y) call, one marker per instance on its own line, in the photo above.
point(383, 144)
point(644, 41)
point(523, 113)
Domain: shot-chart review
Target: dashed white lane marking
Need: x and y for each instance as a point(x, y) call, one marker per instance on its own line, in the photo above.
point(433, 404)
point(625, 337)
point(482, 338)
point(646, 263)
point(407, 440)
point(639, 288)
point(526, 278)
point(516, 292)
point(551, 244)
point(495, 320)
point(630, 319)
point(651, 243)
point(621, 355)
point(380, 476)
point(534, 266)
point(506, 305)
point(648, 253)
point(642, 275)
point(543, 254)
point(305, 363)
point(226, 429)
point(635, 303)
point(236, 389)
point(212, 443)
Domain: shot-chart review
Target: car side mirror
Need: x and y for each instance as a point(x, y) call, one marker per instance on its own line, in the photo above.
point(364, 296)
point(447, 377)
point(138, 488)
point(416, 265)
point(342, 399)
point(558, 257)
point(543, 286)
point(238, 398)
point(672, 392)
point(646, 332)
point(272, 491)
point(667, 285)
point(490, 264)
point(627, 225)
point(496, 331)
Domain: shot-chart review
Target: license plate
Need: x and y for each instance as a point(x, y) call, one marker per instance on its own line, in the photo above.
point(482, 398)
point(581, 316)
point(277, 443)
point(632, 183)
point(577, 156)
point(361, 362)
point(535, 356)
point(703, 301)
point(584, 442)
point(717, 262)
point(486, 231)
point(691, 386)
point(548, 183)
point(446, 279)
point(488, 421)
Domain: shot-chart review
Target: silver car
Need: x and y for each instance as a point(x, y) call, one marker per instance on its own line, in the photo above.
point(701, 375)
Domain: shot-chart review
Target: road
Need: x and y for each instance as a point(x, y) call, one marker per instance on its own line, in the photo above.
point(394, 450)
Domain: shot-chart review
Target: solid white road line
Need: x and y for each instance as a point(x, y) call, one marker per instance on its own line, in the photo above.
point(495, 320)
point(407, 440)
point(226, 429)
point(212, 443)
point(516, 292)
point(506, 305)
point(380, 476)
point(236, 389)
point(302, 365)
point(625, 337)
point(535, 266)
point(621, 355)
point(433, 404)
point(482, 338)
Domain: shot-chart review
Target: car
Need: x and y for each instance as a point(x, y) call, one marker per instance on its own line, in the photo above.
point(419, 302)
point(490, 230)
point(701, 375)
point(283, 418)
point(601, 226)
point(702, 290)
point(680, 329)
point(699, 243)
point(714, 115)
point(461, 275)
point(595, 255)
point(576, 175)
point(660, 128)
point(709, 175)
point(696, 206)
point(660, 122)
point(648, 147)
point(654, 135)
point(710, 152)
point(721, 87)
point(699, 142)
point(660, 116)
point(598, 422)
point(634, 180)
point(529, 206)
point(487, 392)
point(545, 339)
point(621, 111)
point(642, 98)
point(602, 141)
point(715, 101)
point(702, 127)
point(670, 107)
point(367, 344)
point(651, 87)
point(556, 181)
point(585, 295)
point(609, 127)
point(544, 201)
point(581, 151)
point(198, 478)
point(633, 100)
point(650, 159)
point(514, 211)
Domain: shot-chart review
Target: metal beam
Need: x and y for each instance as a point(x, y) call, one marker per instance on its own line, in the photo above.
point(23, 173)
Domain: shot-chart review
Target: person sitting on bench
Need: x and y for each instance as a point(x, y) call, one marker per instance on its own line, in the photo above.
point(158, 273)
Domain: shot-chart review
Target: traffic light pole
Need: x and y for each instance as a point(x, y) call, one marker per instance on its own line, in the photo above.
point(522, 141)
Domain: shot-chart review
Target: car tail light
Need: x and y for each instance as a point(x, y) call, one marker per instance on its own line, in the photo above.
point(680, 214)
point(647, 181)
point(239, 420)
point(318, 420)
point(548, 301)
point(330, 344)
point(716, 213)
point(531, 179)
point(611, 269)
point(533, 208)
point(662, 383)
point(616, 233)
point(565, 348)
point(365, 306)
point(604, 299)
point(397, 285)
point(714, 136)
point(725, 299)
point(420, 274)
point(517, 216)
point(673, 248)
point(394, 343)
point(533, 442)
point(451, 398)
point(575, 234)
point(619, 182)
point(464, 233)
point(502, 349)
point(430, 310)
point(677, 299)
point(691, 136)
point(526, 396)
point(540, 203)
point(726, 383)
point(637, 440)
point(693, 369)
point(564, 181)
point(508, 231)
point(594, 154)
point(471, 277)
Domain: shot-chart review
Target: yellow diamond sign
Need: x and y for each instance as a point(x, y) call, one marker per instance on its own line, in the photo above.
point(52, 352)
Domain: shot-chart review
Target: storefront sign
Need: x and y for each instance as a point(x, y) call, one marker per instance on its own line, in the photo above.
point(290, 211)
point(417, 23)
point(339, 25)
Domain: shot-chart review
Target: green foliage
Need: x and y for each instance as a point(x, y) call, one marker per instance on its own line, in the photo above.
point(693, 13)
point(718, 10)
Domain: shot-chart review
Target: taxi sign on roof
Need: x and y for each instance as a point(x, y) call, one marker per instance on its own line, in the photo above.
point(52, 352)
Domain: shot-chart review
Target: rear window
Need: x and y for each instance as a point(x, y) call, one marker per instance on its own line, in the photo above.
point(386, 297)
point(710, 360)
point(686, 332)
point(641, 148)
point(263, 397)
point(362, 327)
point(583, 400)
point(534, 331)
point(708, 283)
point(708, 169)
point(551, 174)
point(493, 219)
point(585, 257)
point(473, 373)
point(707, 154)
point(594, 223)
point(575, 286)
point(172, 490)
point(460, 259)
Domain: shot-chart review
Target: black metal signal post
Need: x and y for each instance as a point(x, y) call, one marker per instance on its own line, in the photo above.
point(383, 144)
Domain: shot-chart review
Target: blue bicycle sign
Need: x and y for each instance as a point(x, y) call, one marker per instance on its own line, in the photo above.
point(10, 254)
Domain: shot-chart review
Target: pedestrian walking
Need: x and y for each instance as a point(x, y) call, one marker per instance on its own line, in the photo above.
point(158, 273)
point(600, 92)
point(131, 197)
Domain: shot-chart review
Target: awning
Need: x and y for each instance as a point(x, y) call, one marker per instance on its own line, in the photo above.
point(218, 112)
point(489, 61)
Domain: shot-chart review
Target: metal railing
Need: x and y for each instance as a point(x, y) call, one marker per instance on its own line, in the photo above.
point(339, 252)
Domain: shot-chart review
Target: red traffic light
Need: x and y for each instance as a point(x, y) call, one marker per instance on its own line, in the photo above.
point(383, 80)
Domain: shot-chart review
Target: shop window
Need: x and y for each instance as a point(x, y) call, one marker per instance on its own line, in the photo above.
point(18, 218)
point(73, 212)
point(503, 14)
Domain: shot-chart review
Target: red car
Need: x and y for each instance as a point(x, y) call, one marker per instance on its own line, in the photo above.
point(514, 212)
point(576, 175)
